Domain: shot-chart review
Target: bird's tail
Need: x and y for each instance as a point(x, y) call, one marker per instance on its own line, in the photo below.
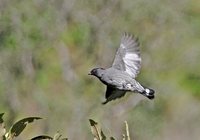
point(149, 93)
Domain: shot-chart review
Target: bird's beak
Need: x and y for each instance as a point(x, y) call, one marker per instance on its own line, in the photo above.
point(89, 74)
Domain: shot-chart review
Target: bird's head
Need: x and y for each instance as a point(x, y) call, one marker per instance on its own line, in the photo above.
point(96, 72)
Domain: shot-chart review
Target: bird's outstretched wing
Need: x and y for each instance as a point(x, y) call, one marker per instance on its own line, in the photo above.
point(128, 57)
point(112, 94)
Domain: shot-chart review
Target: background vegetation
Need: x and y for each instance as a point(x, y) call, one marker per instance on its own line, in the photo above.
point(47, 47)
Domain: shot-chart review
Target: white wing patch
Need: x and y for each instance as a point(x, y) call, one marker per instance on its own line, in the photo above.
point(123, 46)
point(128, 57)
point(131, 61)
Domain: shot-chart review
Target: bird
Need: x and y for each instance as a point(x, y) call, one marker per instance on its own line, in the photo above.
point(120, 78)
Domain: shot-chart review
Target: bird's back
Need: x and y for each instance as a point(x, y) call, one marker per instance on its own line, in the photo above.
point(117, 74)
point(116, 78)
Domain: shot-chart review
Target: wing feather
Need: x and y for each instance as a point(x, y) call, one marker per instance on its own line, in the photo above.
point(128, 57)
point(112, 94)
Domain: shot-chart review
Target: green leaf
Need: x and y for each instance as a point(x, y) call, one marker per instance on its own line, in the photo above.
point(2, 127)
point(111, 138)
point(19, 126)
point(96, 131)
point(124, 137)
point(127, 131)
point(1, 118)
point(57, 136)
point(42, 137)
point(103, 136)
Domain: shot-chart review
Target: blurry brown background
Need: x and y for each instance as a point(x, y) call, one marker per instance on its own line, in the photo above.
point(47, 47)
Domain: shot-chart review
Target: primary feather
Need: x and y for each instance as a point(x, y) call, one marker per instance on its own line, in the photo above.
point(128, 57)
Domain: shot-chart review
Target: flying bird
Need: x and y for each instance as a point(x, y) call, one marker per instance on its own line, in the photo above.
point(120, 77)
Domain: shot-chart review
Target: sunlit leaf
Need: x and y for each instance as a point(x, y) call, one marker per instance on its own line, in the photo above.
point(42, 137)
point(127, 131)
point(95, 130)
point(57, 136)
point(103, 136)
point(19, 126)
point(124, 137)
point(2, 127)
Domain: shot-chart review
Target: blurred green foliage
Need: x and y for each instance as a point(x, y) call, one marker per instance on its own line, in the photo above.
point(47, 47)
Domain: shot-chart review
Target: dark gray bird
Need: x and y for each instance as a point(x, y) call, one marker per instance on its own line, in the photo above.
point(120, 78)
